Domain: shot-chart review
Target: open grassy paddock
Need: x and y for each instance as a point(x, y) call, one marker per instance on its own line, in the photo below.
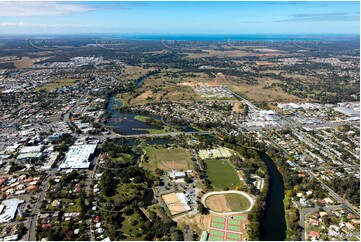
point(168, 159)
point(222, 174)
point(50, 86)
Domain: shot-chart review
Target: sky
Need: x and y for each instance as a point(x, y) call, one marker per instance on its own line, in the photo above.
point(180, 17)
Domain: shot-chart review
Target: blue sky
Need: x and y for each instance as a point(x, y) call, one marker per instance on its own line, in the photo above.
point(180, 17)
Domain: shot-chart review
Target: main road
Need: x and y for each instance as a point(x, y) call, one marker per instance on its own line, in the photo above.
point(31, 225)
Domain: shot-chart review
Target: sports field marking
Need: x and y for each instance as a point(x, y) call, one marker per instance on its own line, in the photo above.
point(233, 236)
point(234, 222)
point(240, 218)
point(217, 233)
point(234, 228)
point(213, 238)
point(218, 219)
point(217, 225)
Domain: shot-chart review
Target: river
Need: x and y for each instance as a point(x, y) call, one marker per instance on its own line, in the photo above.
point(273, 224)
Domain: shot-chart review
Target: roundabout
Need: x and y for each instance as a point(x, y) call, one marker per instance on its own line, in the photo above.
point(228, 202)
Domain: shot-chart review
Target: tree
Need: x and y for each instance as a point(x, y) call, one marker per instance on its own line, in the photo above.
point(159, 172)
point(201, 208)
point(187, 179)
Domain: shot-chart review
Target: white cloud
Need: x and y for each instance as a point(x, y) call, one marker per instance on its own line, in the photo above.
point(26, 9)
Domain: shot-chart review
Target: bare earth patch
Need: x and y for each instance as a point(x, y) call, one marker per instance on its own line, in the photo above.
point(218, 203)
point(24, 62)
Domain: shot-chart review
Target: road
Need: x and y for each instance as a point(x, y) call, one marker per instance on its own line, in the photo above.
point(347, 205)
point(44, 186)
point(305, 211)
point(67, 114)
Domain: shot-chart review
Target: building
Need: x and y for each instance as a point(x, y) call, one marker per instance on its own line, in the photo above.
point(347, 111)
point(11, 206)
point(315, 234)
point(78, 157)
point(204, 236)
point(54, 137)
point(30, 156)
point(176, 175)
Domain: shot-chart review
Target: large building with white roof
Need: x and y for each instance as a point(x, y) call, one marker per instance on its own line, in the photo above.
point(8, 209)
point(78, 157)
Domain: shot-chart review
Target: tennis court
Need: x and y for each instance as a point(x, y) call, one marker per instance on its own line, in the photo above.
point(232, 236)
point(217, 233)
point(227, 228)
point(240, 218)
point(217, 225)
point(234, 222)
point(234, 228)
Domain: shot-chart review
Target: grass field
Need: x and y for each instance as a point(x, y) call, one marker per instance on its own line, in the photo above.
point(56, 84)
point(222, 174)
point(168, 159)
point(228, 202)
point(141, 118)
point(165, 128)
point(237, 202)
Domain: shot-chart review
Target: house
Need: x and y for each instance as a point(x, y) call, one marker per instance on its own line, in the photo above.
point(351, 216)
point(315, 234)
point(45, 226)
point(55, 203)
point(313, 222)
point(315, 215)
point(350, 226)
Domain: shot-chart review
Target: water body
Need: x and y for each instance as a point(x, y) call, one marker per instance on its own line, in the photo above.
point(124, 122)
point(273, 224)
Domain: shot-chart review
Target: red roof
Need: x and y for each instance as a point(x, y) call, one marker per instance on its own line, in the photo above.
point(45, 226)
point(315, 234)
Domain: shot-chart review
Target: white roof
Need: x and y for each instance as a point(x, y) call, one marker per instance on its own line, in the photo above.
point(183, 200)
point(11, 205)
point(78, 157)
point(173, 174)
point(30, 149)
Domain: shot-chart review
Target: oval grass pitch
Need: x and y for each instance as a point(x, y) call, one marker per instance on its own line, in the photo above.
point(228, 202)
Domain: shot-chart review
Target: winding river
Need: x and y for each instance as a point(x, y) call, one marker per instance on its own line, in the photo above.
point(273, 224)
